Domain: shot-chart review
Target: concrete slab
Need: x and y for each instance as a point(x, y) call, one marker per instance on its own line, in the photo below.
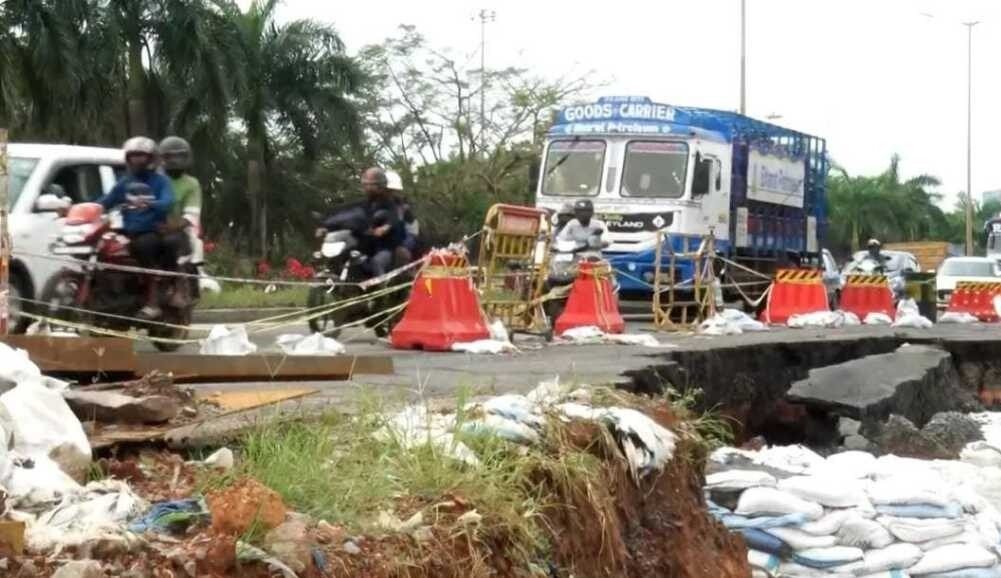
point(914, 381)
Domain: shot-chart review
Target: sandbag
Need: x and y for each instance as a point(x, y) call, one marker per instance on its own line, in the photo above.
point(828, 524)
point(862, 533)
point(739, 480)
point(826, 558)
point(765, 542)
point(916, 531)
point(794, 570)
point(899, 556)
point(905, 491)
point(763, 561)
point(771, 502)
point(888, 574)
point(853, 464)
point(992, 572)
point(44, 426)
point(953, 557)
point(921, 511)
point(966, 537)
point(800, 540)
point(737, 522)
point(833, 492)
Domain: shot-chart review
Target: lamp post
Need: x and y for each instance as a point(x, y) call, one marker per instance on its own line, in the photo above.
point(969, 136)
point(484, 16)
point(743, 56)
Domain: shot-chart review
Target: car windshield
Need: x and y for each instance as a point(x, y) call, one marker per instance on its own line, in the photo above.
point(19, 170)
point(969, 269)
point(655, 169)
point(573, 167)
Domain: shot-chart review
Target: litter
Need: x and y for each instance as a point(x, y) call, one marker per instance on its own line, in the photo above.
point(315, 344)
point(908, 315)
point(824, 319)
point(225, 341)
point(485, 346)
point(958, 317)
point(589, 335)
point(172, 517)
point(877, 319)
point(730, 322)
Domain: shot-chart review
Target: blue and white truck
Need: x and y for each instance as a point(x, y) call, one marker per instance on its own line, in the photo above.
point(758, 187)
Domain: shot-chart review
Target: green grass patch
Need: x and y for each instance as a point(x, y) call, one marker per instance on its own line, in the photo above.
point(254, 297)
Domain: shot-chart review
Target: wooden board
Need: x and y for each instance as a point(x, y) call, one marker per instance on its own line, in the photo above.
point(241, 399)
point(76, 354)
point(267, 367)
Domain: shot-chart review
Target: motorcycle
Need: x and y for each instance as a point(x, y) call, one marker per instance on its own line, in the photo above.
point(342, 265)
point(112, 298)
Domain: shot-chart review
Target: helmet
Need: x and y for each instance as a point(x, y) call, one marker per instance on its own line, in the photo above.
point(583, 205)
point(873, 243)
point(393, 181)
point(176, 153)
point(139, 145)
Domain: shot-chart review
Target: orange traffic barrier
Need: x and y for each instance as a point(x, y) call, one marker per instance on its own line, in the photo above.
point(592, 301)
point(795, 292)
point(444, 308)
point(865, 294)
point(975, 298)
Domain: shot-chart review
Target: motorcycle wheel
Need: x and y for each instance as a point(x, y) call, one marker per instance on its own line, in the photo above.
point(330, 324)
point(173, 317)
point(59, 299)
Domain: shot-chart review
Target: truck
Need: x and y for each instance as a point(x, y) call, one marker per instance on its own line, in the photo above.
point(648, 167)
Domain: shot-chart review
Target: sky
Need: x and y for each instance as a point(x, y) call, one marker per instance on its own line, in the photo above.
point(874, 77)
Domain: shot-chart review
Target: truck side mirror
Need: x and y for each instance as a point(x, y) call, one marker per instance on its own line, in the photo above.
point(49, 203)
point(702, 176)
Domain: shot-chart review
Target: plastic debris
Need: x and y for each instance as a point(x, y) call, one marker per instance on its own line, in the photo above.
point(247, 553)
point(908, 315)
point(730, 322)
point(877, 319)
point(485, 346)
point(824, 319)
point(958, 317)
point(315, 344)
point(590, 334)
point(223, 340)
point(172, 517)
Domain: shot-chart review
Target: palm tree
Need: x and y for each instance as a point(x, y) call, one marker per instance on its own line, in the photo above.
point(857, 207)
point(295, 90)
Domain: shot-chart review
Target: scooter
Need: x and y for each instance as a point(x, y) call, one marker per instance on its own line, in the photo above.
point(565, 258)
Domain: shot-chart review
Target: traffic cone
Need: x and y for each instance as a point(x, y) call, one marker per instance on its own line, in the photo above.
point(865, 294)
point(443, 309)
point(795, 292)
point(592, 301)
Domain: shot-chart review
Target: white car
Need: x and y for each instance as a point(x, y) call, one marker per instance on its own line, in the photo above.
point(956, 269)
point(84, 173)
point(895, 266)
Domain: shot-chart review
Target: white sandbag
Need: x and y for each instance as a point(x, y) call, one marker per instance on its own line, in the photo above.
point(763, 561)
point(963, 318)
point(828, 524)
point(42, 483)
point(968, 536)
point(739, 480)
point(888, 574)
point(800, 540)
point(828, 557)
point(824, 319)
point(917, 531)
point(908, 315)
point(793, 459)
point(315, 344)
point(853, 464)
point(223, 340)
point(877, 319)
point(981, 454)
point(900, 556)
point(485, 346)
point(44, 426)
point(794, 570)
point(833, 492)
point(865, 534)
point(16, 367)
point(953, 557)
point(771, 502)
point(992, 572)
point(906, 491)
point(730, 322)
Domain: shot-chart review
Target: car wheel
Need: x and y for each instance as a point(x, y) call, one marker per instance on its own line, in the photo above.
point(18, 291)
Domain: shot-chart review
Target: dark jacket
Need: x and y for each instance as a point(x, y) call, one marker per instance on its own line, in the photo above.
point(146, 220)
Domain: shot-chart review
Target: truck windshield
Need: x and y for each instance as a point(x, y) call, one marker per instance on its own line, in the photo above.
point(573, 167)
point(655, 169)
point(19, 170)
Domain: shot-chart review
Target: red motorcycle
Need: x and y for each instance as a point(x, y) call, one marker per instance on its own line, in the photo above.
point(111, 298)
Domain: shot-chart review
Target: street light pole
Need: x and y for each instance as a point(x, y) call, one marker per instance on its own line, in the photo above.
point(743, 56)
point(484, 16)
point(969, 137)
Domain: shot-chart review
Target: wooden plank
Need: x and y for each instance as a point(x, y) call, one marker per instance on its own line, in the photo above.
point(266, 367)
point(76, 354)
point(242, 399)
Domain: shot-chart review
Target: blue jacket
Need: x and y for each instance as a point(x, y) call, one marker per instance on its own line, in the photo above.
point(142, 220)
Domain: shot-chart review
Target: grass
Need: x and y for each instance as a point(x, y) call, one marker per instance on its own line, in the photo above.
point(337, 469)
point(254, 297)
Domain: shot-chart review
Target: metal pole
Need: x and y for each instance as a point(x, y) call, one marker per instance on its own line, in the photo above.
point(743, 56)
point(969, 138)
point(4, 239)
point(485, 15)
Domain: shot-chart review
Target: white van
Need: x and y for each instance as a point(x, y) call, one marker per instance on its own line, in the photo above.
point(84, 173)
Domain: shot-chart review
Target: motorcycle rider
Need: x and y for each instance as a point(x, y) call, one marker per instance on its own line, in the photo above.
point(385, 232)
point(180, 232)
point(584, 229)
point(147, 197)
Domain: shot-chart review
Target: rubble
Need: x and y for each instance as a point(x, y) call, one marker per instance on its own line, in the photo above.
point(290, 543)
point(112, 407)
point(80, 569)
point(248, 502)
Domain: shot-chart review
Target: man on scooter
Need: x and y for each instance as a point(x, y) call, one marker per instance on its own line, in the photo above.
point(146, 197)
point(180, 232)
point(584, 229)
point(385, 232)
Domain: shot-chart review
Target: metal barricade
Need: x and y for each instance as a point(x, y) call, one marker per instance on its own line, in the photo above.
point(688, 301)
point(513, 261)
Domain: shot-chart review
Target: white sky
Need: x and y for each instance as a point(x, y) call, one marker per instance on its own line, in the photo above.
point(874, 77)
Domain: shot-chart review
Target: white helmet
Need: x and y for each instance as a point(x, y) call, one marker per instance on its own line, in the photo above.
point(393, 181)
point(140, 145)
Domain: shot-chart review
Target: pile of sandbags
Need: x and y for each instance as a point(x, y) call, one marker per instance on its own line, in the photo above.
point(854, 515)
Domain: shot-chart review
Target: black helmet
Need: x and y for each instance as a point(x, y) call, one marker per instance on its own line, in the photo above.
point(583, 205)
point(176, 153)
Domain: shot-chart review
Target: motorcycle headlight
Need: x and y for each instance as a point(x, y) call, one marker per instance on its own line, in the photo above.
point(333, 249)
